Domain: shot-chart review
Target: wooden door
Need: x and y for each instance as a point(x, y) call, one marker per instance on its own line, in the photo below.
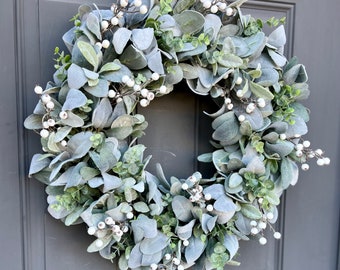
point(32, 240)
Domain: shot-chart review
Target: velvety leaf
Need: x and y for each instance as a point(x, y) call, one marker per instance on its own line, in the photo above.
point(213, 22)
point(120, 39)
point(215, 190)
point(194, 250)
point(251, 212)
point(102, 113)
point(142, 38)
point(94, 248)
point(299, 127)
point(235, 180)
point(135, 258)
point(111, 182)
point(72, 120)
point(155, 62)
point(228, 130)
point(111, 66)
point(189, 21)
point(74, 216)
point(133, 58)
point(92, 23)
point(230, 60)
point(208, 222)
point(74, 99)
point(182, 208)
point(144, 227)
point(231, 244)
point(79, 144)
point(260, 91)
point(88, 173)
point(153, 245)
point(99, 90)
point(278, 37)
point(185, 231)
point(34, 121)
point(141, 207)
point(225, 204)
point(38, 163)
point(283, 148)
point(76, 77)
point(296, 74)
point(182, 5)
point(89, 53)
point(289, 173)
point(61, 133)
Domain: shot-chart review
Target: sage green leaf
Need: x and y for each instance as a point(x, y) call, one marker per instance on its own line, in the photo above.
point(299, 127)
point(283, 148)
point(272, 198)
point(134, 154)
point(189, 21)
point(99, 90)
point(89, 53)
point(144, 227)
point(92, 23)
point(214, 23)
point(250, 211)
point(133, 58)
point(135, 257)
point(278, 58)
point(194, 250)
point(88, 173)
point(74, 216)
point(74, 99)
point(229, 30)
point(61, 133)
point(260, 91)
point(208, 222)
point(242, 223)
point(189, 71)
point(38, 163)
point(215, 190)
point(94, 247)
point(51, 144)
point(79, 144)
point(182, 5)
point(230, 60)
point(142, 38)
point(150, 246)
point(278, 37)
point(155, 62)
point(102, 114)
point(34, 121)
point(300, 110)
point(185, 231)
point(141, 207)
point(91, 75)
point(289, 173)
point(111, 182)
point(111, 66)
point(225, 204)
point(182, 208)
point(96, 182)
point(228, 131)
point(76, 77)
point(231, 243)
point(72, 120)
point(296, 74)
point(207, 157)
point(175, 75)
point(120, 39)
point(235, 180)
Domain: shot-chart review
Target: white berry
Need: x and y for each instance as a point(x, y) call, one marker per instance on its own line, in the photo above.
point(305, 167)
point(109, 221)
point(176, 261)
point(239, 93)
point(44, 133)
point(150, 96)
point(162, 89)
point(155, 76)
point(144, 102)
point(137, 3)
point(144, 92)
point(105, 43)
point(263, 241)
point(270, 215)
point(167, 256)
point(136, 87)
point(227, 101)
point(112, 93)
point(63, 115)
point(239, 80)
point(253, 223)
point(318, 152)
point(50, 105)
point(214, 9)
point(115, 228)
point(143, 9)
point(185, 186)
point(51, 122)
point(114, 21)
point(241, 118)
point(63, 143)
point(45, 124)
point(38, 90)
point(283, 136)
point(45, 98)
point(230, 106)
point(153, 266)
point(99, 45)
point(101, 225)
point(326, 160)
point(299, 147)
point(262, 225)
point(104, 25)
point(229, 11)
point(91, 230)
point(129, 215)
point(124, 3)
point(207, 197)
point(261, 102)
point(185, 243)
point(320, 162)
point(180, 267)
point(277, 235)
point(210, 208)
point(254, 230)
point(306, 144)
point(125, 79)
point(299, 153)
point(130, 83)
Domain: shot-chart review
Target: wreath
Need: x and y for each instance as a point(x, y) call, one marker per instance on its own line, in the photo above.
point(95, 169)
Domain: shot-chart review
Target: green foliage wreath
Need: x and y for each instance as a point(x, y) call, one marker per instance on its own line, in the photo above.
point(94, 167)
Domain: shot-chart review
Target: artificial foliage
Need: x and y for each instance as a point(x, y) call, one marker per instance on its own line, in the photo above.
point(95, 169)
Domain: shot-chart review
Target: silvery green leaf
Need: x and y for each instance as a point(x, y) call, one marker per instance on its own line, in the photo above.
point(135, 258)
point(268, 77)
point(182, 5)
point(51, 144)
point(39, 108)
point(182, 208)
point(192, 52)
point(111, 66)
point(215, 190)
point(122, 262)
point(72, 120)
point(68, 38)
point(229, 30)
point(94, 248)
point(228, 131)
point(147, 260)
point(283, 148)
point(141, 207)
point(142, 38)
point(231, 244)
point(256, 166)
point(107, 253)
point(155, 62)
point(76, 77)
point(189, 21)
point(87, 35)
point(304, 91)
point(245, 128)
point(300, 110)
point(230, 60)
point(289, 173)
point(75, 177)
point(116, 76)
point(271, 137)
point(58, 214)
point(213, 22)
point(88, 173)
point(144, 227)
point(220, 159)
point(99, 90)
point(110, 182)
point(133, 58)
point(175, 75)
point(92, 23)
point(234, 164)
point(207, 157)
point(116, 213)
point(149, 246)
point(140, 187)
point(235, 180)
point(278, 37)
point(34, 121)
point(74, 216)
point(242, 223)
point(102, 113)
point(296, 74)
point(62, 133)
point(74, 99)
point(120, 39)
point(194, 250)
point(208, 222)
point(250, 211)
point(197, 87)
point(79, 144)
point(91, 75)
point(134, 154)
point(225, 204)
point(228, 46)
point(185, 231)
point(189, 71)
point(299, 127)
point(272, 198)
point(279, 59)
point(38, 163)
point(96, 182)
point(260, 91)
point(89, 53)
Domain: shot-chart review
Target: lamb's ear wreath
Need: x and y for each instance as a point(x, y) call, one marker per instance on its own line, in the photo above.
point(94, 167)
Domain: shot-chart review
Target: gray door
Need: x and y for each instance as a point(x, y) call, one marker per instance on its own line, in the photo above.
point(32, 240)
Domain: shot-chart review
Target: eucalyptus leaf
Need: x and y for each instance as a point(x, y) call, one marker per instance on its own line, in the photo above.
point(76, 77)
point(102, 114)
point(182, 208)
point(34, 121)
point(92, 23)
point(189, 21)
point(142, 38)
point(251, 212)
point(133, 58)
point(194, 250)
point(99, 90)
point(89, 53)
point(120, 39)
point(38, 163)
point(74, 99)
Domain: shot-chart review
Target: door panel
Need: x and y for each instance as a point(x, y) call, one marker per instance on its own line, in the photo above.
point(178, 132)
